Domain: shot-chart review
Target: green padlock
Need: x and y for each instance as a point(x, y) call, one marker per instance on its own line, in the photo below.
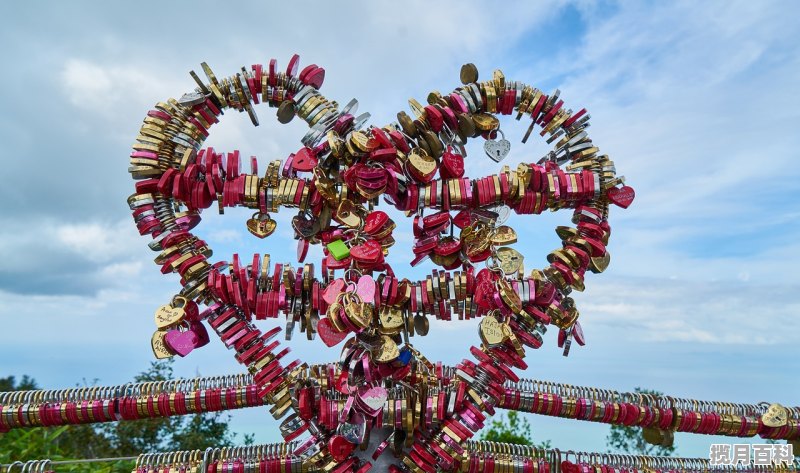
point(339, 250)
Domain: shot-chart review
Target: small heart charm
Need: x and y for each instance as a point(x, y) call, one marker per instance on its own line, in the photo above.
point(340, 448)
point(776, 416)
point(599, 264)
point(622, 196)
point(368, 252)
point(577, 332)
point(157, 344)
point(391, 319)
point(452, 165)
point(304, 226)
point(374, 397)
point(346, 214)
point(355, 428)
point(371, 174)
point(329, 335)
point(436, 220)
point(504, 235)
point(375, 221)
point(463, 219)
point(491, 331)
point(332, 291)
point(304, 160)
point(562, 337)
point(503, 212)
point(509, 259)
point(497, 149)
point(261, 225)
point(484, 290)
point(387, 351)
point(366, 289)
point(169, 316)
point(200, 331)
point(447, 246)
point(180, 343)
point(332, 263)
point(421, 166)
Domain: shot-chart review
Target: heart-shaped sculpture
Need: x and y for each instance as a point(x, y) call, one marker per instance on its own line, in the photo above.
point(334, 181)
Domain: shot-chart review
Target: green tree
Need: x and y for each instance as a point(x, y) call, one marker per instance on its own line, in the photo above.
point(10, 384)
point(128, 438)
point(511, 428)
point(171, 433)
point(629, 440)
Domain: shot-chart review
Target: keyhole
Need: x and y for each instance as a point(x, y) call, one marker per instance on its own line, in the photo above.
point(498, 153)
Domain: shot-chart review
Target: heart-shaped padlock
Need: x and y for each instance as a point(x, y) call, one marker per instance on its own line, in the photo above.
point(497, 149)
point(181, 342)
point(261, 225)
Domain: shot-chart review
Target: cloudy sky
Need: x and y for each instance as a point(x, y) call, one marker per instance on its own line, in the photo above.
point(696, 102)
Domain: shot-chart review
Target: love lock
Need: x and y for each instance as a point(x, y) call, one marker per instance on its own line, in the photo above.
point(497, 149)
point(261, 225)
point(354, 429)
point(335, 181)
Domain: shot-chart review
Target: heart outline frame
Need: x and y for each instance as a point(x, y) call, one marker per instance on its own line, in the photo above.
point(184, 162)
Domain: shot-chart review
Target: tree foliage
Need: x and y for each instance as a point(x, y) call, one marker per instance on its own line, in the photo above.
point(629, 440)
point(511, 428)
point(115, 439)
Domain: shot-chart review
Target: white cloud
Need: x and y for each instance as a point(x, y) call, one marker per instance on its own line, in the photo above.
point(125, 271)
point(671, 91)
point(108, 88)
point(225, 235)
point(723, 312)
point(88, 83)
point(98, 242)
point(45, 256)
point(696, 104)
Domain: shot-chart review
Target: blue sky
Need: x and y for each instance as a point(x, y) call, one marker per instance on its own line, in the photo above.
point(696, 102)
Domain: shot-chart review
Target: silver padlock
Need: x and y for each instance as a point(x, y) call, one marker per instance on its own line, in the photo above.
point(497, 149)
